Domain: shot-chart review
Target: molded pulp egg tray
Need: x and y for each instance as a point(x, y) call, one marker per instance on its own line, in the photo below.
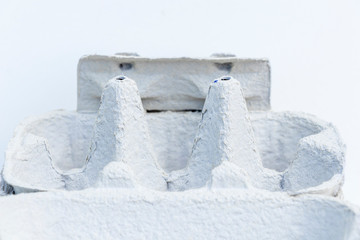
point(175, 148)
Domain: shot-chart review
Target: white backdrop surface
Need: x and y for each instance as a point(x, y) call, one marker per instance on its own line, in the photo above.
point(313, 47)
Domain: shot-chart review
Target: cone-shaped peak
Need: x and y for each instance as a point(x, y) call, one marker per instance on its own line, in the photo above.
point(224, 134)
point(121, 134)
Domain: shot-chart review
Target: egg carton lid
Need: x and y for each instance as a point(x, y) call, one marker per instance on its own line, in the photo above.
point(172, 83)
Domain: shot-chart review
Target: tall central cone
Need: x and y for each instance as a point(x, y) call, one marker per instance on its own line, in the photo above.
point(121, 134)
point(224, 134)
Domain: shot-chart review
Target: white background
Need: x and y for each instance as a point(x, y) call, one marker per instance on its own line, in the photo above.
point(313, 47)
